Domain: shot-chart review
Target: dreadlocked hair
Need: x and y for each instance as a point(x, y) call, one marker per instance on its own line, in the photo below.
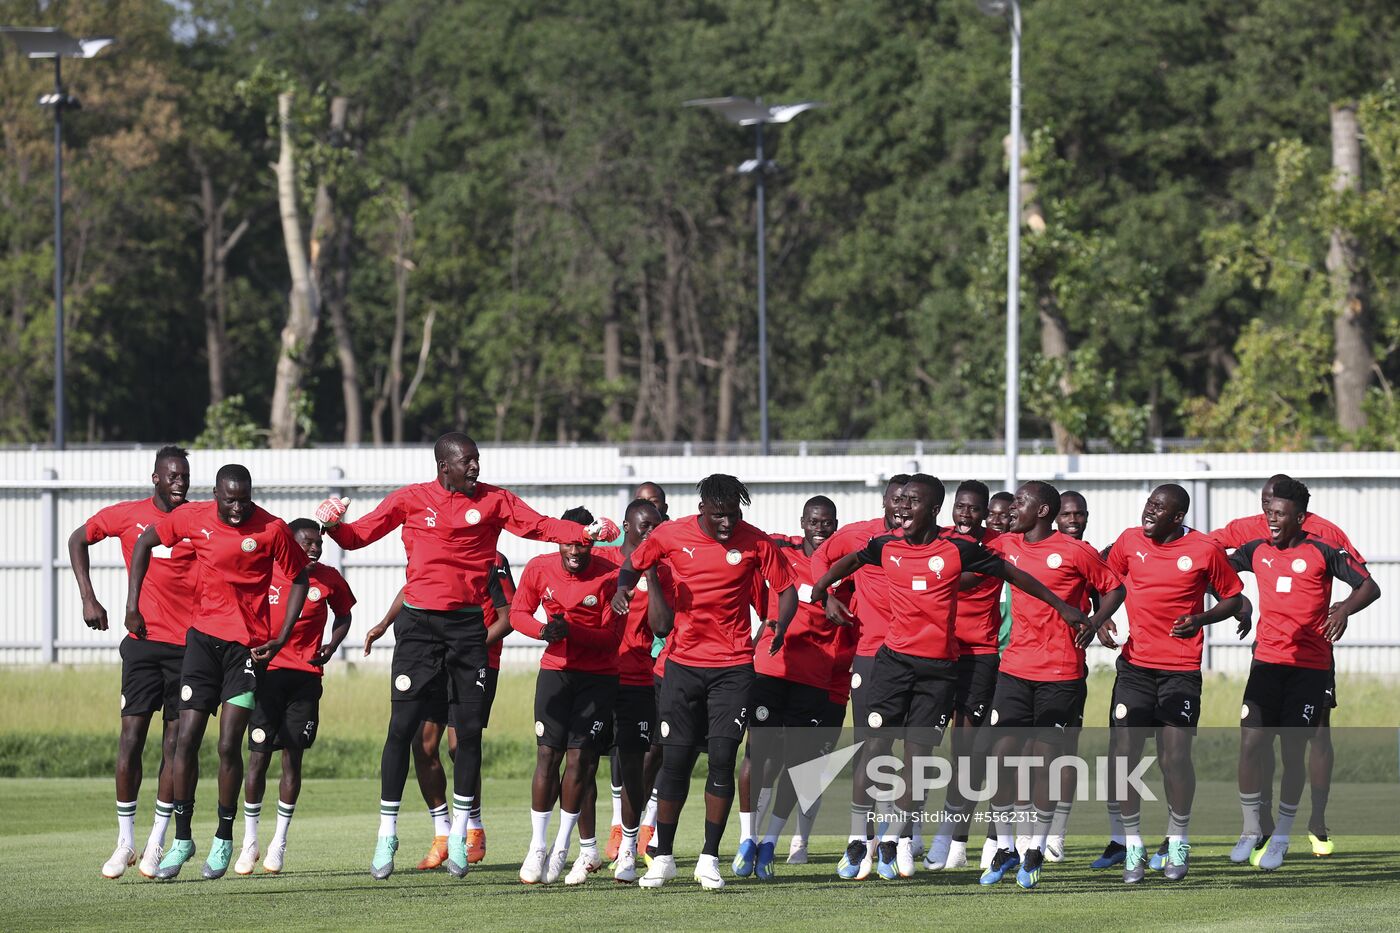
point(723, 488)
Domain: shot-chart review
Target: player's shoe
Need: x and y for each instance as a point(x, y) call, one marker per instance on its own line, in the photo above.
point(904, 858)
point(532, 869)
point(476, 845)
point(744, 858)
point(1022, 844)
point(661, 870)
point(763, 864)
point(936, 858)
point(1272, 859)
point(797, 851)
point(437, 854)
point(123, 857)
point(1158, 861)
point(625, 868)
point(1322, 845)
point(1134, 864)
point(150, 860)
point(1002, 862)
point(457, 864)
point(247, 859)
point(554, 866)
point(1240, 853)
point(180, 853)
point(216, 863)
point(707, 873)
point(989, 851)
point(1258, 852)
point(917, 847)
point(1054, 850)
point(885, 866)
point(1178, 855)
point(1028, 875)
point(957, 856)
point(855, 862)
point(587, 863)
point(1113, 854)
point(644, 834)
point(614, 842)
point(276, 856)
point(382, 865)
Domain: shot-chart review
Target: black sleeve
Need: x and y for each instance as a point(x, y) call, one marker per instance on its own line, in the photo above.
point(1243, 557)
point(493, 586)
point(874, 548)
point(977, 559)
point(1342, 565)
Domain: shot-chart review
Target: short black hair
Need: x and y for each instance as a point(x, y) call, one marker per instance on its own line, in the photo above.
point(1179, 497)
point(637, 505)
point(821, 502)
point(1045, 494)
point(579, 515)
point(172, 450)
point(1002, 496)
point(1076, 494)
point(719, 488)
point(933, 483)
point(1294, 491)
point(976, 487)
point(233, 472)
point(303, 524)
point(899, 479)
point(657, 486)
point(452, 440)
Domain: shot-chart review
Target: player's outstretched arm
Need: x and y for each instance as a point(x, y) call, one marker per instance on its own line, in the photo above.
point(140, 563)
point(627, 577)
point(94, 615)
point(1108, 605)
point(377, 631)
point(339, 630)
point(296, 598)
point(837, 612)
point(501, 627)
point(787, 608)
point(661, 616)
point(1188, 626)
point(1033, 587)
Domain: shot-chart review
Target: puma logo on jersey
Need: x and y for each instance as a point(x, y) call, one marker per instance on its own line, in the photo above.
point(548, 592)
point(274, 595)
point(1141, 556)
point(430, 520)
point(896, 559)
point(206, 532)
point(689, 551)
point(140, 527)
point(1014, 558)
point(1267, 561)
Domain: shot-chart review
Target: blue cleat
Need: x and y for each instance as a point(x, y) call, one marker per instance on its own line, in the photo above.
point(1028, 876)
point(1113, 854)
point(855, 862)
point(216, 864)
point(1002, 862)
point(889, 855)
point(382, 866)
point(1159, 858)
point(744, 859)
point(763, 867)
point(180, 853)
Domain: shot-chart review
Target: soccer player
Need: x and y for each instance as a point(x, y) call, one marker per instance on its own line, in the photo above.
point(1041, 681)
point(634, 712)
point(1166, 569)
point(1291, 672)
point(653, 493)
point(238, 547)
point(715, 557)
point(915, 673)
point(288, 710)
point(151, 656)
point(450, 529)
point(574, 696)
point(1073, 519)
point(871, 605)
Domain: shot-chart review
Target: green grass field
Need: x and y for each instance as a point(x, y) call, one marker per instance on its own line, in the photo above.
point(55, 832)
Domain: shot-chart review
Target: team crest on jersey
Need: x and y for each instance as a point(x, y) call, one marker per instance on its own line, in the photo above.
point(642, 585)
point(936, 565)
point(590, 600)
point(733, 557)
point(249, 545)
point(1053, 561)
point(1299, 565)
point(1183, 564)
point(473, 517)
point(314, 593)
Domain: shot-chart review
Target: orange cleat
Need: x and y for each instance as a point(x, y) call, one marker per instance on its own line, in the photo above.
point(476, 845)
point(437, 854)
point(644, 838)
point(614, 842)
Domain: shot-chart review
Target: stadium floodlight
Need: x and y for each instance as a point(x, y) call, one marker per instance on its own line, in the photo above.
point(1012, 10)
point(756, 113)
point(49, 43)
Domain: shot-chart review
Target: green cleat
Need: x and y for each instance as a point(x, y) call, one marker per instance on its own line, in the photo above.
point(1135, 864)
point(220, 854)
point(383, 864)
point(1178, 855)
point(456, 863)
point(180, 853)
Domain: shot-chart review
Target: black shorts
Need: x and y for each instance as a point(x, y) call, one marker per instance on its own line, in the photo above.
point(214, 671)
point(862, 677)
point(1145, 696)
point(151, 677)
point(703, 703)
point(835, 716)
point(288, 711)
point(1332, 687)
point(1019, 703)
point(776, 701)
point(437, 700)
point(1281, 696)
point(574, 710)
point(429, 643)
point(634, 715)
point(911, 692)
point(977, 682)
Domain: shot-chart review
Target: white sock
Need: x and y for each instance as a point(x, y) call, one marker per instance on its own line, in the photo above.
point(649, 815)
point(806, 819)
point(629, 840)
point(442, 819)
point(1177, 825)
point(567, 822)
point(1115, 823)
point(1006, 833)
point(745, 825)
point(461, 806)
point(1283, 826)
point(539, 829)
point(161, 823)
point(1060, 824)
point(1132, 829)
point(1249, 808)
point(126, 824)
point(474, 816)
point(388, 817)
point(765, 798)
point(589, 845)
point(775, 828)
point(617, 805)
point(1040, 829)
point(859, 812)
point(252, 812)
point(284, 822)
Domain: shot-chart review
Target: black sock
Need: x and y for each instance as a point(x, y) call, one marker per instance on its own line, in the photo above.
point(1319, 808)
point(713, 833)
point(665, 837)
point(184, 815)
point(226, 815)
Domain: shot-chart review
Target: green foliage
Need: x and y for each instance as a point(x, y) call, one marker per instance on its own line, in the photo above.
point(228, 426)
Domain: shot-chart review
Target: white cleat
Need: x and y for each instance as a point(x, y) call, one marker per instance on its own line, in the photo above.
point(989, 851)
point(1022, 844)
point(276, 855)
point(1055, 848)
point(587, 863)
point(936, 859)
point(1240, 853)
point(150, 860)
point(661, 870)
point(247, 859)
point(707, 873)
point(123, 857)
point(554, 866)
point(918, 848)
point(1272, 859)
point(904, 857)
point(532, 869)
point(797, 851)
point(625, 868)
point(957, 856)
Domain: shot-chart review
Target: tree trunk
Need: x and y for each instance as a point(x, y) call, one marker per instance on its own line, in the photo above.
point(392, 391)
point(729, 362)
point(214, 290)
point(1353, 360)
point(612, 364)
point(300, 329)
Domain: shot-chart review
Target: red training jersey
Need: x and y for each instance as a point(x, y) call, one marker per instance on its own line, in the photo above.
point(1042, 646)
point(172, 576)
point(1295, 592)
point(1255, 527)
point(1165, 582)
point(813, 645)
point(714, 586)
point(584, 602)
point(450, 538)
point(871, 603)
point(328, 592)
point(634, 661)
point(978, 620)
point(236, 564)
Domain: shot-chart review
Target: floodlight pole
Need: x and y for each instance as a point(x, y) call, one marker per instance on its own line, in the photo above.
point(1013, 262)
point(59, 432)
point(764, 440)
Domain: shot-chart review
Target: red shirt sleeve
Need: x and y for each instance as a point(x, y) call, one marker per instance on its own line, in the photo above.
point(525, 602)
point(646, 554)
point(100, 526)
point(1116, 559)
point(1233, 535)
point(289, 556)
point(1223, 578)
point(383, 519)
point(171, 528)
point(524, 522)
point(342, 598)
point(775, 569)
point(1100, 577)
